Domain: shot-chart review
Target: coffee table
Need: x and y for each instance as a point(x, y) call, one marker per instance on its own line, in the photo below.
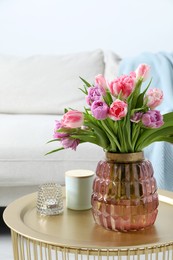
point(74, 234)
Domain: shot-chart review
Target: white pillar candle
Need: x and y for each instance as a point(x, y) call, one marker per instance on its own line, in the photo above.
point(79, 189)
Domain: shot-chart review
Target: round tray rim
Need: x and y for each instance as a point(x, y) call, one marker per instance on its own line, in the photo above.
point(17, 226)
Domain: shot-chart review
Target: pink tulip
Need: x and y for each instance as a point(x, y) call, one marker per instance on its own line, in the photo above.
point(142, 71)
point(124, 84)
point(72, 119)
point(101, 82)
point(154, 97)
point(118, 110)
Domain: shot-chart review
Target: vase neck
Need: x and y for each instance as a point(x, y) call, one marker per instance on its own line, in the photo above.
point(125, 157)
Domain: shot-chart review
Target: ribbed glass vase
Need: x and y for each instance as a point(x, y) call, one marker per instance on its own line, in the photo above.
point(124, 194)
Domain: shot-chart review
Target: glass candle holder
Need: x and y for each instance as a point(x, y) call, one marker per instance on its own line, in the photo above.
point(50, 199)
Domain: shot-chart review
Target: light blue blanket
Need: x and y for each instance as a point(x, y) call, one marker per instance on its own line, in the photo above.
point(160, 153)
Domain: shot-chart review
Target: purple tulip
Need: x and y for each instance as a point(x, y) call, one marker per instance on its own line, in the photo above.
point(58, 135)
point(152, 119)
point(136, 117)
point(94, 94)
point(99, 110)
point(70, 143)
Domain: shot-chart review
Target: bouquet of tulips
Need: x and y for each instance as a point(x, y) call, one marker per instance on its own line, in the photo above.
point(118, 116)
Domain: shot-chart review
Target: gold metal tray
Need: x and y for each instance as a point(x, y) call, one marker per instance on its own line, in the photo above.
point(77, 229)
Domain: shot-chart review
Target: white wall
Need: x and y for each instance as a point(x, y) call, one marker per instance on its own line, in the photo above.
point(61, 26)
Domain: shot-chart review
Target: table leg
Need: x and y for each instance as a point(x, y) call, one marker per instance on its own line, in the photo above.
point(15, 245)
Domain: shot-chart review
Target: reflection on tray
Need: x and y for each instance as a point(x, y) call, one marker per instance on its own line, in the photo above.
point(148, 236)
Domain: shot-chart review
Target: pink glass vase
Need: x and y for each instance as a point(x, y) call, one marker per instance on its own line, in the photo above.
point(124, 194)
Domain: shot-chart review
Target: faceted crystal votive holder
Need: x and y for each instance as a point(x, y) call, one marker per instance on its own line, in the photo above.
point(50, 199)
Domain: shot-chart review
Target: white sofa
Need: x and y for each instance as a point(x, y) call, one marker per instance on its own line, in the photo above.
point(33, 93)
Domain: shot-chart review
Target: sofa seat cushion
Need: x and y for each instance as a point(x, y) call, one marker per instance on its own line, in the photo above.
point(46, 84)
point(23, 140)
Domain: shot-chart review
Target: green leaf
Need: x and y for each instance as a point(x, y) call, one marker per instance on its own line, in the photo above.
point(108, 98)
point(65, 110)
point(127, 130)
point(168, 139)
point(156, 136)
point(168, 118)
point(99, 133)
point(84, 91)
point(140, 100)
point(122, 137)
point(149, 135)
point(86, 83)
point(135, 94)
point(56, 150)
point(54, 140)
point(137, 109)
point(111, 135)
point(86, 138)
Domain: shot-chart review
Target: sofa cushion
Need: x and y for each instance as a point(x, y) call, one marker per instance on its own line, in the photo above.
point(23, 140)
point(112, 61)
point(46, 84)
